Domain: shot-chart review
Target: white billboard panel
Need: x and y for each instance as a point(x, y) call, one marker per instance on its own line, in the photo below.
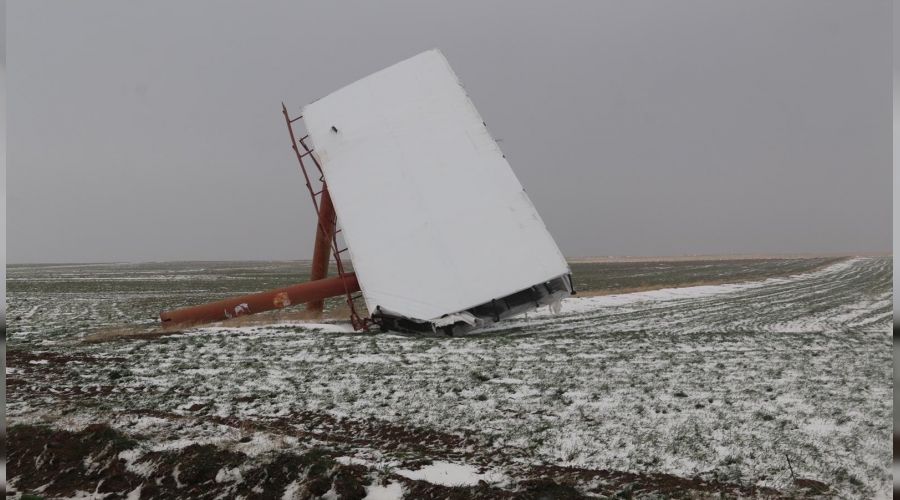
point(435, 220)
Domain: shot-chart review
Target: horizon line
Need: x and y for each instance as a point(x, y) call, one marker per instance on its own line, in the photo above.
point(571, 259)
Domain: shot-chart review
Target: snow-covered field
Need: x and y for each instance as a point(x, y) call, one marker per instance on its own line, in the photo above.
point(781, 383)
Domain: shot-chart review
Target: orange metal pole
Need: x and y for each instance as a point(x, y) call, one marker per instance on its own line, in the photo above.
point(322, 250)
point(260, 302)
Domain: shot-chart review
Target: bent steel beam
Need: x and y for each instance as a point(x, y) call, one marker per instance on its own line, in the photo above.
point(260, 302)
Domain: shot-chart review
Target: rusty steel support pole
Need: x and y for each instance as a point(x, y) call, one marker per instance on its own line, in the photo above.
point(260, 302)
point(322, 250)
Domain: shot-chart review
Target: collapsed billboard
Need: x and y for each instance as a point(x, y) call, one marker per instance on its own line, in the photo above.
point(440, 232)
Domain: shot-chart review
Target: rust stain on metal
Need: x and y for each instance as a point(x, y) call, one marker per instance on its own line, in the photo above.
point(281, 300)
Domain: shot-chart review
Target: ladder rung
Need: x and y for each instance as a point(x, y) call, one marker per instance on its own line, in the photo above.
point(295, 119)
point(342, 250)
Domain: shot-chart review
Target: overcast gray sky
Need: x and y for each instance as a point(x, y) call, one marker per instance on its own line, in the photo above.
point(896, 162)
point(152, 131)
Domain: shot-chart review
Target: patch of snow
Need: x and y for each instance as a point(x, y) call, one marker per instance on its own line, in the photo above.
point(130, 457)
point(87, 495)
point(175, 473)
point(232, 475)
point(392, 491)
point(134, 494)
point(261, 443)
point(269, 328)
point(31, 312)
point(450, 319)
point(291, 491)
point(371, 358)
point(331, 494)
point(450, 474)
point(506, 380)
point(352, 461)
point(587, 304)
point(820, 426)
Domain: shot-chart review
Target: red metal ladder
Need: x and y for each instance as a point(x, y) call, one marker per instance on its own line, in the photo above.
point(358, 322)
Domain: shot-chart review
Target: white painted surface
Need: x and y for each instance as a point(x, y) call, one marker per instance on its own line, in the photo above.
point(435, 219)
